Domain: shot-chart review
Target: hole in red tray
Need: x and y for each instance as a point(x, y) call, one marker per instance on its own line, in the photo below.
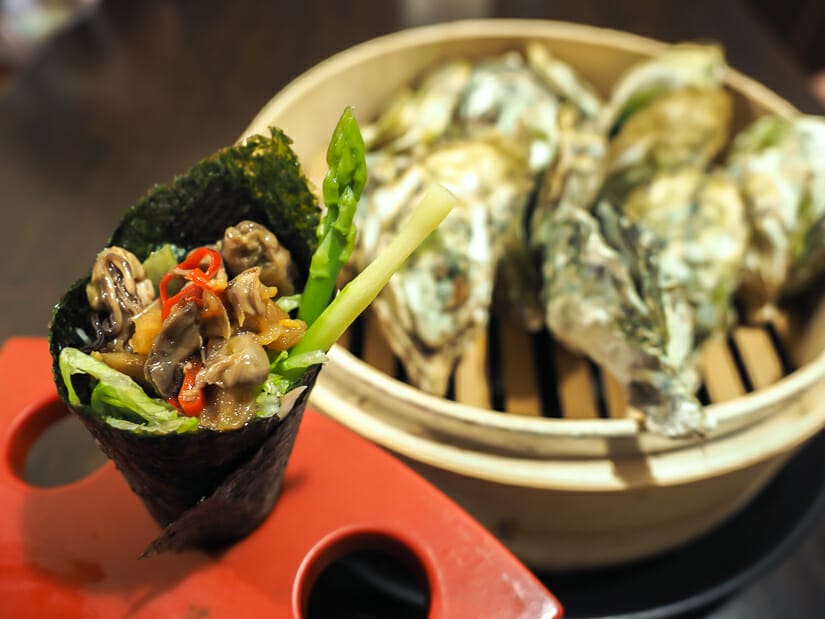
point(365, 576)
point(50, 447)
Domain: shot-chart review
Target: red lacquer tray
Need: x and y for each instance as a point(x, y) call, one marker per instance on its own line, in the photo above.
point(72, 550)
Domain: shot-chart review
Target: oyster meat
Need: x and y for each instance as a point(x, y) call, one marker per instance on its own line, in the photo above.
point(438, 303)
point(603, 296)
point(701, 219)
point(680, 129)
point(685, 65)
point(779, 166)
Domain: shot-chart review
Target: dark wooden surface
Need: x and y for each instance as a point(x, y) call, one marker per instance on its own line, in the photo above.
point(140, 90)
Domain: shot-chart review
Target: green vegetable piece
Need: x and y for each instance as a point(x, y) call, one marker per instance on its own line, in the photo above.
point(343, 184)
point(359, 293)
point(303, 360)
point(268, 402)
point(288, 302)
point(116, 397)
point(160, 262)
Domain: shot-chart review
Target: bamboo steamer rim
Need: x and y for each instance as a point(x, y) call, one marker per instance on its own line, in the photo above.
point(784, 389)
point(525, 29)
point(515, 470)
point(779, 434)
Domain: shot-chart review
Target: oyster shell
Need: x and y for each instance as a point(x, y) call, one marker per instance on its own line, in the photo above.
point(681, 128)
point(603, 290)
point(415, 118)
point(438, 303)
point(604, 296)
point(779, 166)
point(701, 219)
point(563, 81)
point(685, 65)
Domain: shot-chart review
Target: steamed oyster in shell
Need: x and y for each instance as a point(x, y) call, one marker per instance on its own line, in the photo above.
point(484, 131)
point(685, 65)
point(604, 297)
point(438, 303)
point(701, 219)
point(684, 128)
point(779, 166)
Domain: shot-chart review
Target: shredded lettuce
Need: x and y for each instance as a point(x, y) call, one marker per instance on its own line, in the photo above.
point(288, 302)
point(119, 400)
point(268, 402)
point(181, 425)
point(284, 369)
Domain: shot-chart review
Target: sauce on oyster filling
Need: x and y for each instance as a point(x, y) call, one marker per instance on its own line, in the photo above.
point(200, 336)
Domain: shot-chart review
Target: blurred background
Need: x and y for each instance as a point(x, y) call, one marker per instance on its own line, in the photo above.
point(798, 26)
point(26, 25)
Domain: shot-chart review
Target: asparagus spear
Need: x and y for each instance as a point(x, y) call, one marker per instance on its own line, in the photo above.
point(342, 188)
point(359, 293)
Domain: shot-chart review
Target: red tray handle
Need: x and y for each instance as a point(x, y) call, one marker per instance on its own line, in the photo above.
point(72, 550)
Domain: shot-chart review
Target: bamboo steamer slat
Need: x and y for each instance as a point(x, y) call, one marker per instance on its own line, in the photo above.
point(564, 476)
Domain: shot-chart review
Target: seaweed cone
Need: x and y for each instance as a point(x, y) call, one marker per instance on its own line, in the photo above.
point(207, 488)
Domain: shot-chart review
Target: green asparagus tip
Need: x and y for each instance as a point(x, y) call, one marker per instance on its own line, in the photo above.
point(342, 189)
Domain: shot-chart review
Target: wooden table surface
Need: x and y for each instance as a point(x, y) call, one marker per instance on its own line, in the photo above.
point(140, 90)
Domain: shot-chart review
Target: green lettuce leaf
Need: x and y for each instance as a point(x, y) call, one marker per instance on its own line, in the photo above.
point(119, 400)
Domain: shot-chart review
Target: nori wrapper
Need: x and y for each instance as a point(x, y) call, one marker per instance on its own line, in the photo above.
point(207, 488)
point(175, 475)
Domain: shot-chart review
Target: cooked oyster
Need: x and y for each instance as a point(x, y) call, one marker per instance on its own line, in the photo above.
point(563, 81)
point(679, 66)
point(537, 104)
point(779, 165)
point(438, 302)
point(487, 130)
point(576, 175)
point(701, 219)
point(416, 118)
point(574, 178)
point(682, 128)
point(120, 290)
point(604, 297)
point(504, 98)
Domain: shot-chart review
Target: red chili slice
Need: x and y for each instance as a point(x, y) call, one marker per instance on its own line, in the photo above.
point(194, 406)
point(199, 279)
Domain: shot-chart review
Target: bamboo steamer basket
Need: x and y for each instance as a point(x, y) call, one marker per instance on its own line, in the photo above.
point(535, 441)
